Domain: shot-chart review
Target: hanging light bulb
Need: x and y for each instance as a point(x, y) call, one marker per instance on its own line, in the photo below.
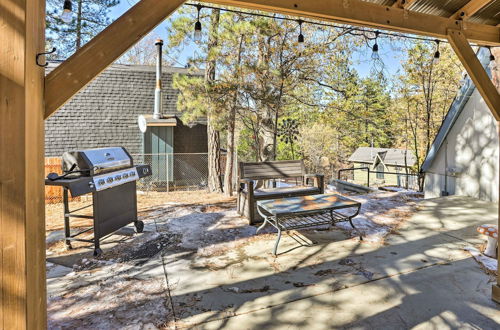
point(67, 14)
point(197, 26)
point(375, 54)
point(437, 54)
point(300, 39)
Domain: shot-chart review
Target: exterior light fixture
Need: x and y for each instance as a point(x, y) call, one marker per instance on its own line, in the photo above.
point(197, 25)
point(492, 57)
point(375, 54)
point(67, 14)
point(437, 54)
point(300, 39)
point(493, 62)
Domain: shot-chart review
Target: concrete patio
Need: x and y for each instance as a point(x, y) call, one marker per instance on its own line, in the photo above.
point(419, 277)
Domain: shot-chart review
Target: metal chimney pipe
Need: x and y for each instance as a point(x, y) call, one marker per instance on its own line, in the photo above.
point(158, 96)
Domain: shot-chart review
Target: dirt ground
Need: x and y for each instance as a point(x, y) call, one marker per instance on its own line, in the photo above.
point(146, 202)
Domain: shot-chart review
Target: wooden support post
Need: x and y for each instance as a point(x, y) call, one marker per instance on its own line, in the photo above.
point(78, 70)
point(22, 225)
point(495, 290)
point(474, 68)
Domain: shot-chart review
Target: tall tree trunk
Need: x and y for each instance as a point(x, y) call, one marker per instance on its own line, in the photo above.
point(231, 149)
point(79, 25)
point(266, 136)
point(214, 164)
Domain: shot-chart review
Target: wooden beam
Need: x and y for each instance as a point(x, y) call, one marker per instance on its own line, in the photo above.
point(475, 70)
point(78, 70)
point(495, 289)
point(22, 224)
point(470, 9)
point(363, 13)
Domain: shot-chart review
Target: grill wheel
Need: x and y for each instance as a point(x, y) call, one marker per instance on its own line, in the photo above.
point(139, 226)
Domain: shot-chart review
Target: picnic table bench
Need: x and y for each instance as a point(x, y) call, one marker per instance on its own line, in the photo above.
point(252, 173)
point(306, 211)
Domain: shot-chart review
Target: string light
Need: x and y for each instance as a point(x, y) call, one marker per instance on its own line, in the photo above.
point(197, 25)
point(437, 54)
point(67, 14)
point(375, 55)
point(349, 30)
point(301, 36)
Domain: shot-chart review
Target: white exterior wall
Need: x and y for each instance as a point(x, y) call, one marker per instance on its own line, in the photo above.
point(471, 148)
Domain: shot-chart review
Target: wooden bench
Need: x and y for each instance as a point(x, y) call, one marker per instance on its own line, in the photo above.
point(251, 173)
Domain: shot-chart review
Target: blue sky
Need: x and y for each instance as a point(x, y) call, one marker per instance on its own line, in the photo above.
point(362, 58)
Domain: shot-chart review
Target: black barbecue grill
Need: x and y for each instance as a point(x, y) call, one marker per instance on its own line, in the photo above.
point(110, 175)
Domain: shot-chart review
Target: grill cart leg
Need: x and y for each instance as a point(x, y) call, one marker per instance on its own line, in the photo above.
point(97, 248)
point(67, 229)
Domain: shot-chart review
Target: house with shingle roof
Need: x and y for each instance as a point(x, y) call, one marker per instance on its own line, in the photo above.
point(386, 162)
point(105, 113)
point(463, 159)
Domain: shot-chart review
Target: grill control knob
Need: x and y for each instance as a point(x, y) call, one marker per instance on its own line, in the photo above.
point(132, 174)
point(101, 182)
point(118, 177)
point(109, 180)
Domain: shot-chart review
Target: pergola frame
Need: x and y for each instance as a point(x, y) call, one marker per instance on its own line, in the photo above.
point(27, 98)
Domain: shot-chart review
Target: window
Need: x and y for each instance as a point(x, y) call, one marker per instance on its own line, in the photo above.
point(380, 171)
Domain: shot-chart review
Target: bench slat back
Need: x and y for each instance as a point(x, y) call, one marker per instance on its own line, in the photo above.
point(272, 170)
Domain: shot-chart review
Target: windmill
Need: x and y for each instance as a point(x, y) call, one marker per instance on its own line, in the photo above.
point(288, 132)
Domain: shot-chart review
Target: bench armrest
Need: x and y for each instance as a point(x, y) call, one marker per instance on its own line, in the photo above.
point(319, 180)
point(248, 183)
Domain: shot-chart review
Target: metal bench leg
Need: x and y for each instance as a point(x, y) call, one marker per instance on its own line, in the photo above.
point(277, 243)
point(359, 233)
point(262, 226)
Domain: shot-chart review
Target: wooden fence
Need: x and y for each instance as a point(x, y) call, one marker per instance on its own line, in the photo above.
point(53, 195)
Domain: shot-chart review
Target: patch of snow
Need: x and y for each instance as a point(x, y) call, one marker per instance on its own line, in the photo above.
point(380, 213)
point(282, 184)
point(491, 264)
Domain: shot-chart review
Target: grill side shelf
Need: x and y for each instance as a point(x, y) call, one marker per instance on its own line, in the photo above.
point(77, 187)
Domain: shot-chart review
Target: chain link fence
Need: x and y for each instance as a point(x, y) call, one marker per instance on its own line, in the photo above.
point(174, 171)
point(170, 172)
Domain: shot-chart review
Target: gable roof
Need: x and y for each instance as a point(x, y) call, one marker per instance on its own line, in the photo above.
point(389, 156)
point(455, 110)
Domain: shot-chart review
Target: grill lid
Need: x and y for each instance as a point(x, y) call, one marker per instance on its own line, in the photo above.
point(96, 161)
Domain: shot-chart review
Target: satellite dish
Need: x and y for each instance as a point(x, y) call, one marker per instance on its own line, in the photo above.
point(143, 123)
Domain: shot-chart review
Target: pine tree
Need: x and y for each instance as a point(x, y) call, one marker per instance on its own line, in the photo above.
point(89, 18)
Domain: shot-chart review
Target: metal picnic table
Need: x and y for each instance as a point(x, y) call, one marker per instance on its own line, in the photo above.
point(307, 211)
